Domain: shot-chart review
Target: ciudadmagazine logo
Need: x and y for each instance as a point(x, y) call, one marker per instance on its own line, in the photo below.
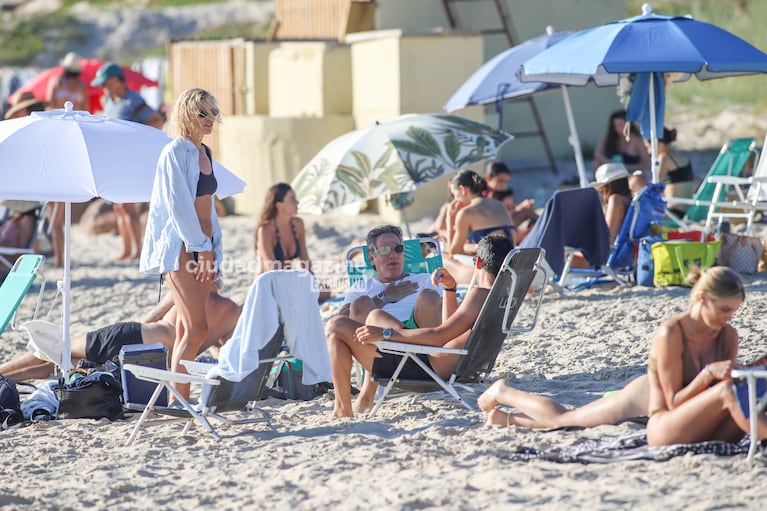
point(329, 274)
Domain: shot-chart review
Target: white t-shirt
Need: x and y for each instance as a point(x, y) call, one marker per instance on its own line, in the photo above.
point(401, 309)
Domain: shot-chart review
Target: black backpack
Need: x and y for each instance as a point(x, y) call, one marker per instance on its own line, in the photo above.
point(10, 404)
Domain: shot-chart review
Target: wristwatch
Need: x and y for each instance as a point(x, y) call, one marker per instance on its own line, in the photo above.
point(382, 297)
point(387, 334)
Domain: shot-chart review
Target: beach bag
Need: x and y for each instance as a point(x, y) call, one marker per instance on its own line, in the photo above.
point(645, 270)
point(741, 253)
point(94, 396)
point(10, 403)
point(284, 381)
point(672, 260)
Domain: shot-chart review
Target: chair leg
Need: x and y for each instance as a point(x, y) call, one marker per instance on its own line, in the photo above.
point(146, 412)
point(445, 386)
point(389, 386)
point(198, 416)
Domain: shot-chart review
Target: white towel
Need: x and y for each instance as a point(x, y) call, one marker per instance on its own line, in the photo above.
point(288, 297)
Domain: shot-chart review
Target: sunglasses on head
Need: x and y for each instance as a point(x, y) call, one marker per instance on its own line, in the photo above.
point(202, 114)
point(386, 249)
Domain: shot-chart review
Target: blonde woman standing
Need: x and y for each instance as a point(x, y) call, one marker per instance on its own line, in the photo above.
point(182, 242)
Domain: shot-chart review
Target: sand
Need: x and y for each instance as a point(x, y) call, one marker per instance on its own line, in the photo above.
point(431, 454)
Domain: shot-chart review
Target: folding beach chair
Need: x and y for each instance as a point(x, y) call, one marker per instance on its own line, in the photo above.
point(647, 208)
point(492, 326)
point(422, 255)
point(9, 254)
point(742, 198)
point(15, 286)
point(756, 390)
point(571, 220)
point(217, 395)
point(732, 159)
point(280, 305)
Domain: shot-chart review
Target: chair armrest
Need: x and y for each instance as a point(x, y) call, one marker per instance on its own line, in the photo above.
point(161, 375)
point(197, 368)
point(756, 372)
point(406, 347)
point(729, 180)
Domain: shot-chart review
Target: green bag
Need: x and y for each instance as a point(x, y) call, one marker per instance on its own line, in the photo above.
point(673, 260)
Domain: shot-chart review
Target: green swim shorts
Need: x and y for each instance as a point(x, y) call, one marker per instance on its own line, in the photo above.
point(410, 323)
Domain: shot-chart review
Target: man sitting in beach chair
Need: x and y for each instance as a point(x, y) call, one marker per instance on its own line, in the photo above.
point(410, 298)
point(104, 344)
point(347, 338)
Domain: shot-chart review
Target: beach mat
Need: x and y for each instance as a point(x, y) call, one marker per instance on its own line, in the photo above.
point(626, 448)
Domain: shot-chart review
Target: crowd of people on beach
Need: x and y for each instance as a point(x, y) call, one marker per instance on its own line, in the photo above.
point(687, 394)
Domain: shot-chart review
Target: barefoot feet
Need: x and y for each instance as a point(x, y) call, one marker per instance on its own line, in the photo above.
point(489, 398)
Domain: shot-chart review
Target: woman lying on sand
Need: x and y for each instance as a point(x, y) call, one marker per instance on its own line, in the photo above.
point(538, 412)
point(687, 391)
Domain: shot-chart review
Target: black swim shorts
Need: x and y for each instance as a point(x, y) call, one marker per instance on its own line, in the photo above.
point(385, 366)
point(105, 343)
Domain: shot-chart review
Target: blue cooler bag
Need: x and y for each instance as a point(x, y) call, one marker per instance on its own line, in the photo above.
point(136, 392)
point(645, 266)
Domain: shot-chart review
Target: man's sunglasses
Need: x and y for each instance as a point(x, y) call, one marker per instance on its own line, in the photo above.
point(386, 249)
point(202, 114)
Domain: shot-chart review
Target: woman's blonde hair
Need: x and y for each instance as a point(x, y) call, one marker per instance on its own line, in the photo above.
point(186, 111)
point(718, 282)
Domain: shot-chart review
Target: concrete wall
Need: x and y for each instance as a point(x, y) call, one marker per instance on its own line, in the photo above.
point(257, 77)
point(263, 150)
point(310, 79)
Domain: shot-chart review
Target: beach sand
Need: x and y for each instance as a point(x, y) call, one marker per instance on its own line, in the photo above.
point(429, 455)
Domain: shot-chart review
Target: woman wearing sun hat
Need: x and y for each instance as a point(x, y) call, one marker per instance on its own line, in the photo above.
point(69, 86)
point(612, 183)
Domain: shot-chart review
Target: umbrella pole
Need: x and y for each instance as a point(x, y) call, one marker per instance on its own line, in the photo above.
point(66, 349)
point(653, 133)
point(405, 221)
point(574, 141)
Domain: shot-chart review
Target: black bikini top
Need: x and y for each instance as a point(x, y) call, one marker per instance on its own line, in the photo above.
point(207, 183)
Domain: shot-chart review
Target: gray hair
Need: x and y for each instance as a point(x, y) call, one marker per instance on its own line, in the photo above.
point(376, 232)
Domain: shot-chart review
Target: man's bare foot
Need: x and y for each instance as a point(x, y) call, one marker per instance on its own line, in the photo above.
point(124, 257)
point(489, 398)
point(497, 418)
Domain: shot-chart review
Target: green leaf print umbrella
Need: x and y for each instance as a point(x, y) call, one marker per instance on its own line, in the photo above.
point(392, 157)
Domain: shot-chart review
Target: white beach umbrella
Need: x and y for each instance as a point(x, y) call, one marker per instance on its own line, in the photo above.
point(73, 156)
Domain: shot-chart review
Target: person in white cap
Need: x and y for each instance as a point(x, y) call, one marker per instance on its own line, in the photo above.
point(69, 86)
point(612, 183)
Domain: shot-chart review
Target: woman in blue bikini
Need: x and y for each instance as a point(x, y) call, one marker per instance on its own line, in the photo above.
point(471, 217)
